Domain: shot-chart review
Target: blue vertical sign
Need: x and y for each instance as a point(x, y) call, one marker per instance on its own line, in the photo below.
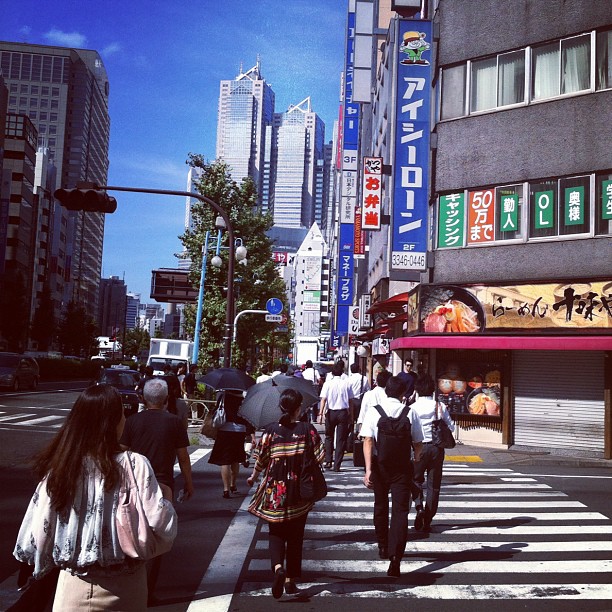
point(412, 128)
point(350, 143)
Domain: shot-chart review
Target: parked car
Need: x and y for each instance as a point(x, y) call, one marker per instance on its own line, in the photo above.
point(125, 381)
point(18, 371)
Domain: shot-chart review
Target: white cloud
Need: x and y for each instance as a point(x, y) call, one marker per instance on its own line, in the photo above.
point(66, 39)
point(25, 31)
point(110, 49)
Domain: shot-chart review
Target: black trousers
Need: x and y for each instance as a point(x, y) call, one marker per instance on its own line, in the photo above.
point(336, 419)
point(399, 484)
point(286, 541)
point(429, 467)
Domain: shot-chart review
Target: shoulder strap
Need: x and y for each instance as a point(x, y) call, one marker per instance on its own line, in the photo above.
point(404, 412)
point(380, 410)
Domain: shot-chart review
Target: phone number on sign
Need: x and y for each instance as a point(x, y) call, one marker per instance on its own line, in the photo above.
point(408, 261)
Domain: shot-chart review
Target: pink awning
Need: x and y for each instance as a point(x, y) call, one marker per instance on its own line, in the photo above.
point(512, 343)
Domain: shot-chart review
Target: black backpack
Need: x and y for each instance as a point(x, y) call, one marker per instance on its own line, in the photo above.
point(394, 440)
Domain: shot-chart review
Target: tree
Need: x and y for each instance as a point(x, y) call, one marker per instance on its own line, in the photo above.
point(254, 283)
point(76, 332)
point(136, 341)
point(43, 323)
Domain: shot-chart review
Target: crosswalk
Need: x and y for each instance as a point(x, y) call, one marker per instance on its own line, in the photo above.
point(30, 419)
point(498, 535)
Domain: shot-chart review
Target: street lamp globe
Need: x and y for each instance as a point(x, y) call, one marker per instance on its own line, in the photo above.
point(241, 253)
point(216, 261)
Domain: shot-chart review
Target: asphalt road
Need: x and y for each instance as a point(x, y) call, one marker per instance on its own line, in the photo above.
point(528, 532)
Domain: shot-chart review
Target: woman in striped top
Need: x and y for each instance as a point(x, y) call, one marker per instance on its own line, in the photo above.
point(277, 499)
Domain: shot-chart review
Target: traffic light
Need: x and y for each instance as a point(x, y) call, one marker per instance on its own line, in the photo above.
point(90, 200)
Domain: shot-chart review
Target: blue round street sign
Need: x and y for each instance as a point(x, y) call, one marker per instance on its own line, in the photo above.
point(274, 306)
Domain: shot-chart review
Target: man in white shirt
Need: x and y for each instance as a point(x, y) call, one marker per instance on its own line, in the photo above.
point(359, 385)
point(398, 480)
point(335, 396)
point(264, 375)
point(311, 374)
point(375, 396)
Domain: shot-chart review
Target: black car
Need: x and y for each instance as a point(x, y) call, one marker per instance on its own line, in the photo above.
point(125, 381)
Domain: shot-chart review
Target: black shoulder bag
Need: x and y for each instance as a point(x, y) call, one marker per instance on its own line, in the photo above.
point(312, 481)
point(441, 435)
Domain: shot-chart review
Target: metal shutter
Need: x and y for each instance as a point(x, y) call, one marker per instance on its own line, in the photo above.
point(559, 399)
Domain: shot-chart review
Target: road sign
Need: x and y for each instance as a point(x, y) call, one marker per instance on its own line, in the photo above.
point(274, 318)
point(274, 306)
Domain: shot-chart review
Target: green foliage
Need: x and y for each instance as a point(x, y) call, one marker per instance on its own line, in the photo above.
point(254, 283)
point(76, 332)
point(136, 340)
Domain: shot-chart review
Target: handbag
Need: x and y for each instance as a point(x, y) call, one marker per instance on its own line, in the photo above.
point(441, 435)
point(312, 481)
point(220, 417)
point(136, 537)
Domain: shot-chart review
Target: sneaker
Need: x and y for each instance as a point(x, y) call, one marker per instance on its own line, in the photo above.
point(278, 583)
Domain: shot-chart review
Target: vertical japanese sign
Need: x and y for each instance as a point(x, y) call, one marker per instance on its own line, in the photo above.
point(544, 209)
point(481, 216)
point(348, 193)
point(371, 193)
point(574, 206)
point(508, 213)
point(451, 223)
point(606, 200)
point(411, 171)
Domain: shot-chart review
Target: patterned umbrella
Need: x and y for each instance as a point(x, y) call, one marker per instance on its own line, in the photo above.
point(260, 407)
point(227, 378)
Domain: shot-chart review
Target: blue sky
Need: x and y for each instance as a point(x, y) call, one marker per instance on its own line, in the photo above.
point(164, 61)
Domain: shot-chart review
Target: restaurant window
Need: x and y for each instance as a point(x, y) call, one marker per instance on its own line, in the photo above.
point(453, 92)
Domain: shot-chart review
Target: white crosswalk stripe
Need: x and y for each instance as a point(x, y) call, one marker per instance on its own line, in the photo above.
point(29, 419)
point(498, 534)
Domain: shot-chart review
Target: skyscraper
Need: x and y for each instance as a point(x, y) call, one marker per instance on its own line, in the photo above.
point(246, 107)
point(65, 92)
point(298, 147)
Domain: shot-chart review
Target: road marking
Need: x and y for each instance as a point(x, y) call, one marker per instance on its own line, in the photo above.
point(11, 417)
point(466, 458)
point(46, 419)
point(472, 516)
point(193, 458)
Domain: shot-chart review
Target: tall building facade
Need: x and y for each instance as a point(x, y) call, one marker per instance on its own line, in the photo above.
point(64, 92)
point(246, 109)
point(112, 306)
point(298, 150)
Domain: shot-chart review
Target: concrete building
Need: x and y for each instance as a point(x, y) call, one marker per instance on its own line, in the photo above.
point(113, 306)
point(64, 92)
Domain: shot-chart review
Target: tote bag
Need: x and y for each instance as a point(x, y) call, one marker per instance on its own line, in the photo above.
point(441, 435)
point(312, 481)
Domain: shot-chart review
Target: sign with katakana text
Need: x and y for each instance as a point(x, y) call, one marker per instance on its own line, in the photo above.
point(451, 224)
point(371, 193)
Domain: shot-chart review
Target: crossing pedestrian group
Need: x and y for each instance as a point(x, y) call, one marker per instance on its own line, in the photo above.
point(129, 470)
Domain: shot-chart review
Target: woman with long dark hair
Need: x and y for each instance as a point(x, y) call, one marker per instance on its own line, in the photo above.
point(70, 521)
point(277, 499)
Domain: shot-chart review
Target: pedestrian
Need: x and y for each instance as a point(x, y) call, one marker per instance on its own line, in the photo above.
point(409, 377)
point(374, 396)
point(162, 438)
point(311, 374)
point(277, 500)
point(70, 522)
point(264, 375)
point(147, 374)
point(390, 474)
point(339, 362)
point(359, 385)
point(181, 372)
point(429, 462)
point(189, 382)
point(335, 396)
point(228, 450)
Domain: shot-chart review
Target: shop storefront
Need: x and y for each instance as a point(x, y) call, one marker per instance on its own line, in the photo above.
point(523, 365)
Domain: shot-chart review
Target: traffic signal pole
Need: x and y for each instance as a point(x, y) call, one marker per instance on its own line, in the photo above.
point(229, 308)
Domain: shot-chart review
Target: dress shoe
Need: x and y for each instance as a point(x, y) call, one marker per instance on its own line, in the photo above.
point(394, 567)
point(419, 521)
point(328, 465)
point(291, 588)
point(383, 552)
point(245, 463)
point(233, 490)
point(225, 494)
point(336, 469)
point(278, 583)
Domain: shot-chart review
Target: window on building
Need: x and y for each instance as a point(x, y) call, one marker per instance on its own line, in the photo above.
point(603, 73)
point(511, 78)
point(574, 204)
point(543, 209)
point(483, 81)
point(576, 64)
point(509, 206)
point(603, 204)
point(545, 79)
point(453, 92)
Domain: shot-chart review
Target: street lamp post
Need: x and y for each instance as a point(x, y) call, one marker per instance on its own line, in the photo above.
point(229, 308)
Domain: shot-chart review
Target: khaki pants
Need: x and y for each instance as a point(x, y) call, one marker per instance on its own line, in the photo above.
point(122, 592)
